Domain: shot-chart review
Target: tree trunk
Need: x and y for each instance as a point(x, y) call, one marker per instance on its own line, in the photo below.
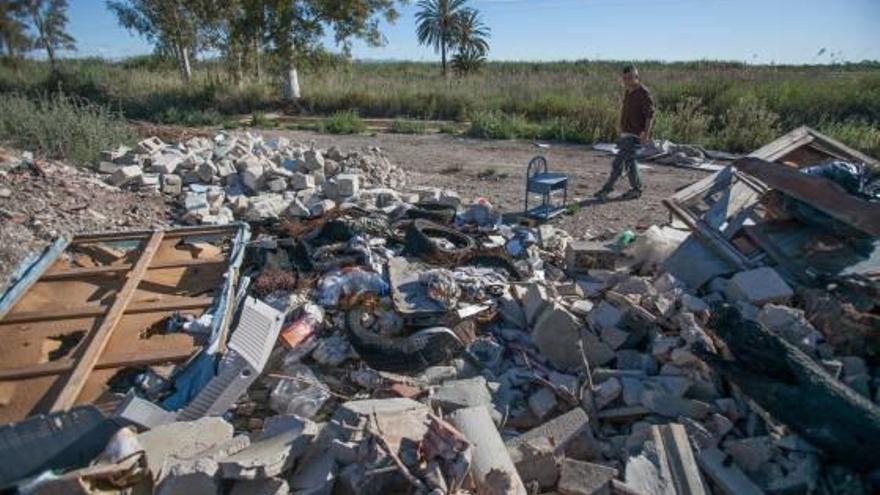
point(50, 51)
point(185, 67)
point(291, 90)
point(257, 61)
point(443, 53)
point(796, 390)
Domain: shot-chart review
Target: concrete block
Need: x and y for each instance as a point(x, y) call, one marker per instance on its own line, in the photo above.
point(107, 167)
point(278, 184)
point(556, 333)
point(125, 175)
point(300, 181)
point(165, 163)
point(614, 337)
point(585, 478)
point(759, 286)
point(456, 394)
point(607, 392)
point(313, 160)
point(206, 171)
point(347, 184)
point(322, 207)
point(561, 431)
point(672, 407)
point(598, 353)
point(449, 198)
point(581, 256)
point(252, 175)
point(172, 184)
point(537, 299)
point(536, 460)
point(604, 315)
point(296, 208)
point(542, 402)
point(628, 359)
point(582, 307)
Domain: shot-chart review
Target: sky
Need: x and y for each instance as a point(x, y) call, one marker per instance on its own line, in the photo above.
point(752, 31)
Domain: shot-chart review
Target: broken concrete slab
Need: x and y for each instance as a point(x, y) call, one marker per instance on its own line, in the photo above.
point(604, 315)
point(492, 468)
point(536, 460)
point(196, 477)
point(542, 402)
point(128, 174)
point(673, 407)
point(759, 286)
point(182, 440)
point(456, 394)
point(267, 486)
point(556, 332)
point(561, 430)
point(585, 478)
point(272, 452)
point(726, 476)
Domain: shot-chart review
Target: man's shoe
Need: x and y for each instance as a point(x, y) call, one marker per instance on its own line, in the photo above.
point(631, 194)
point(601, 194)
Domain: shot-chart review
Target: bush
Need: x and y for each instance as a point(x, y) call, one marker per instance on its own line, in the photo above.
point(400, 126)
point(687, 124)
point(748, 125)
point(499, 125)
point(347, 122)
point(858, 134)
point(61, 127)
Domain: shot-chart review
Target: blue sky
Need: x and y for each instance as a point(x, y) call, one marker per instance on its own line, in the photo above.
point(759, 31)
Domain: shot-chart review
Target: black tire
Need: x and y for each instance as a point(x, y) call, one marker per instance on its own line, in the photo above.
point(419, 243)
point(442, 214)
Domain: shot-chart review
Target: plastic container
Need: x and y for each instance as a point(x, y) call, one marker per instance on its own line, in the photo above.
point(298, 392)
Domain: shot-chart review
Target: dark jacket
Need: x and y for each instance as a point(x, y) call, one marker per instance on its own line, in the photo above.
point(638, 108)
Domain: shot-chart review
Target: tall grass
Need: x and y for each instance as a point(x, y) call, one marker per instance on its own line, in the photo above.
point(61, 127)
point(700, 102)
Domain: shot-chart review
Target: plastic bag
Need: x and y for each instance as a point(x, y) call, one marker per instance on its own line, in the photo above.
point(298, 392)
point(349, 282)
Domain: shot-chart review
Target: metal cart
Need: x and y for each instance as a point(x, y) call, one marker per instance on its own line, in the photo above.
point(548, 185)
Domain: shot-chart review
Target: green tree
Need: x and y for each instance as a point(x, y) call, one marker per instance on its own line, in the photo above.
point(14, 39)
point(177, 26)
point(49, 21)
point(436, 25)
point(470, 39)
point(295, 28)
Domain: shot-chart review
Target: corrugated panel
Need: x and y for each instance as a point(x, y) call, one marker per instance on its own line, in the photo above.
point(52, 441)
point(235, 376)
point(256, 332)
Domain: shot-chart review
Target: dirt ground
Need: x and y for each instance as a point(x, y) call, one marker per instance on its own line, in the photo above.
point(458, 163)
point(36, 208)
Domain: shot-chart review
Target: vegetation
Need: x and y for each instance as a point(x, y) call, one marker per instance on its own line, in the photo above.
point(61, 127)
point(447, 25)
point(402, 126)
point(722, 105)
point(344, 122)
point(34, 24)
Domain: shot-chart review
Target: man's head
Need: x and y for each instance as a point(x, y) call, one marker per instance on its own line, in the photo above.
point(630, 77)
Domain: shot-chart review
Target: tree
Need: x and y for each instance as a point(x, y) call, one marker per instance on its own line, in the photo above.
point(470, 41)
point(14, 39)
point(436, 25)
point(178, 25)
point(295, 29)
point(49, 21)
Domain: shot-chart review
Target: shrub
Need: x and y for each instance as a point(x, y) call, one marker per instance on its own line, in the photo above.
point(400, 126)
point(346, 122)
point(856, 133)
point(748, 124)
point(499, 125)
point(259, 119)
point(687, 124)
point(62, 127)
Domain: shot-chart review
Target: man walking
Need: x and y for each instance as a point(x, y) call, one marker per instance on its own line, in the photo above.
point(636, 119)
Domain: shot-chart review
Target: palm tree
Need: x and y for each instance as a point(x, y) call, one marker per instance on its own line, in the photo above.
point(13, 32)
point(471, 33)
point(436, 23)
point(49, 20)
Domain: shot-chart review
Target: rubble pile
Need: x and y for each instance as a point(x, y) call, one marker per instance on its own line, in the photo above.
point(406, 342)
point(246, 177)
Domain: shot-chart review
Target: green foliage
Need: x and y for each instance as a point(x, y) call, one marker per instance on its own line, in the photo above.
point(401, 126)
point(259, 119)
point(48, 21)
point(747, 125)
point(468, 61)
point(61, 127)
point(494, 124)
point(344, 122)
point(688, 123)
point(859, 134)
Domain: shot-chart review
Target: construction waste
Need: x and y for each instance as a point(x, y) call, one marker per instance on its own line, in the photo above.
point(387, 339)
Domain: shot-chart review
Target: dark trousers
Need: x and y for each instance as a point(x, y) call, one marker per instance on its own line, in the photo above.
point(625, 160)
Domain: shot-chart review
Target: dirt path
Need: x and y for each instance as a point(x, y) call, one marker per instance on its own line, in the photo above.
point(457, 163)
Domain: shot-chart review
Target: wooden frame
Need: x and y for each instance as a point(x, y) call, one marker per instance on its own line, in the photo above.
point(76, 319)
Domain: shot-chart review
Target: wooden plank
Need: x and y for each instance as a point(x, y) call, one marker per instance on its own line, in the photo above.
point(117, 361)
point(142, 234)
point(175, 304)
point(98, 342)
point(675, 449)
point(100, 270)
point(22, 285)
point(818, 192)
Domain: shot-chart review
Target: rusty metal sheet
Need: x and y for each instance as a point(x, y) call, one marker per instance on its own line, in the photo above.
point(819, 192)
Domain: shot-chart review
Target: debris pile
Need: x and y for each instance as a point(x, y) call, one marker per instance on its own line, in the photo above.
point(412, 343)
point(243, 176)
